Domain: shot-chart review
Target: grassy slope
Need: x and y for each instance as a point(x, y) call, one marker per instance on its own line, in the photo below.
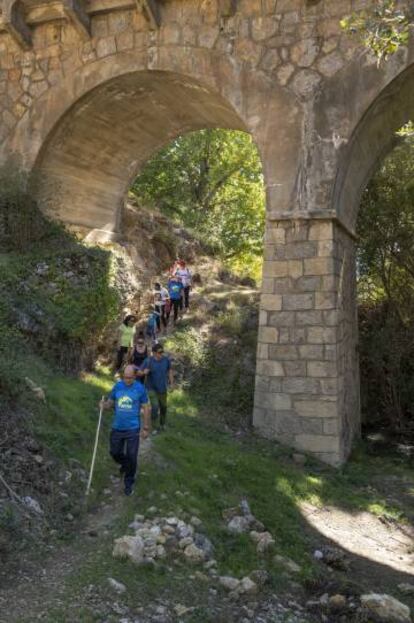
point(203, 470)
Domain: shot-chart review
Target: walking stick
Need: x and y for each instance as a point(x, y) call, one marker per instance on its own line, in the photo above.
point(88, 487)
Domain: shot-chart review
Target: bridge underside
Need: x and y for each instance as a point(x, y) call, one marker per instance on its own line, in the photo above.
point(90, 160)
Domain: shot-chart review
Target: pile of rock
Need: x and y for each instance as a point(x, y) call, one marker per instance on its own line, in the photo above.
point(240, 520)
point(155, 538)
point(371, 606)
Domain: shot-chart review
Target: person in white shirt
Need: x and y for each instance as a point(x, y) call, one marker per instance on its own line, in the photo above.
point(161, 297)
point(184, 272)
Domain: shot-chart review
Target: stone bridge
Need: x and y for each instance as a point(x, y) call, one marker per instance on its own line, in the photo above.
point(89, 90)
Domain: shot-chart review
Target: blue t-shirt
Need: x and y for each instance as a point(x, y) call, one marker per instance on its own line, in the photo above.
point(128, 401)
point(174, 289)
point(158, 373)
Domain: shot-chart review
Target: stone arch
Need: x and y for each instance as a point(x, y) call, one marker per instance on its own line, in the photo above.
point(97, 148)
point(372, 139)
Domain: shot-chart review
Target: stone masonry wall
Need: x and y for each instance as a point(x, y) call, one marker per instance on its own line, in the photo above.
point(306, 333)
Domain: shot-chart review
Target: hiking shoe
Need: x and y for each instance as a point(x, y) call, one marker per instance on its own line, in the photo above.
point(128, 490)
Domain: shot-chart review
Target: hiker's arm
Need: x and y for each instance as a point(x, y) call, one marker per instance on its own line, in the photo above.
point(171, 377)
point(108, 403)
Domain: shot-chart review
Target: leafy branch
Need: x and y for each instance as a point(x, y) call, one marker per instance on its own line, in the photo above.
point(383, 28)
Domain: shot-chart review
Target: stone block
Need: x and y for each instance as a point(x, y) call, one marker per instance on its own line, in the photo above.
point(331, 427)
point(283, 352)
point(301, 250)
point(284, 335)
point(308, 351)
point(322, 335)
point(275, 385)
point(263, 351)
point(304, 318)
point(321, 230)
point(297, 385)
point(326, 248)
point(275, 268)
point(282, 285)
point(316, 408)
point(125, 41)
point(311, 426)
point(308, 284)
point(304, 53)
point(320, 369)
point(330, 318)
point(317, 443)
point(281, 319)
point(262, 383)
point(329, 387)
point(330, 352)
point(325, 300)
point(295, 368)
point(263, 318)
point(271, 302)
point(295, 268)
point(268, 335)
point(105, 46)
point(268, 285)
point(319, 266)
point(273, 401)
point(329, 283)
point(297, 232)
point(297, 301)
point(275, 235)
point(270, 368)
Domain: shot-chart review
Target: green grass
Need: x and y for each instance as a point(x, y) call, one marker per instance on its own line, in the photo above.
point(199, 469)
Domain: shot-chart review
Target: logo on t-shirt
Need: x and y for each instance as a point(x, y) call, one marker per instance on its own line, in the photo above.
point(125, 402)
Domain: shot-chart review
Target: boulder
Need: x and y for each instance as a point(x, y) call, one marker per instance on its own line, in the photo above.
point(265, 542)
point(286, 563)
point(238, 525)
point(131, 547)
point(229, 583)
point(203, 543)
point(261, 577)
point(337, 602)
point(247, 586)
point(117, 586)
point(386, 608)
point(194, 553)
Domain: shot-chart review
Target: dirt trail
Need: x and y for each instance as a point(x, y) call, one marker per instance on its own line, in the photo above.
point(40, 584)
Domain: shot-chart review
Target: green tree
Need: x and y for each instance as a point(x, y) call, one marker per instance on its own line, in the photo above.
point(386, 289)
point(383, 28)
point(211, 181)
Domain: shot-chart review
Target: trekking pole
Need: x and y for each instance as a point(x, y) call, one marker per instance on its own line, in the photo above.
point(95, 448)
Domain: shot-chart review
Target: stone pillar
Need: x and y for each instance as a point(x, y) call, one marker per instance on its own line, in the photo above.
point(307, 382)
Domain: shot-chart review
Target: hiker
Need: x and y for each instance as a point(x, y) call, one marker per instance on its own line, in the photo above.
point(126, 334)
point(175, 289)
point(159, 374)
point(161, 296)
point(152, 324)
point(139, 355)
point(186, 279)
point(128, 397)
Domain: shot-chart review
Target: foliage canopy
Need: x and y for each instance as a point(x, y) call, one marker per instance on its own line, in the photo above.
point(386, 288)
point(211, 181)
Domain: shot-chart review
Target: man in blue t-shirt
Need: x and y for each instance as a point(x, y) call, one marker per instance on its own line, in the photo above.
point(128, 397)
point(175, 290)
point(159, 374)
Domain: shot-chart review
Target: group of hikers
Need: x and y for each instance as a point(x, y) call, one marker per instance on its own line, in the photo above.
point(144, 377)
